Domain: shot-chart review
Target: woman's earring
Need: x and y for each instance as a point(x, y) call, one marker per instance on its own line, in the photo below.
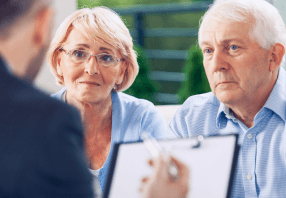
point(116, 85)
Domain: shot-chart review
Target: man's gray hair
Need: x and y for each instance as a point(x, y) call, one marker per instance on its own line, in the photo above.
point(13, 10)
point(268, 26)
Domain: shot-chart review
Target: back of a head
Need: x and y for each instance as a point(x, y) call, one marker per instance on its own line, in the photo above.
point(268, 26)
point(13, 11)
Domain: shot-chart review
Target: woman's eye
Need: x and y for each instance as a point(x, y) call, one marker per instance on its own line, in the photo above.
point(79, 54)
point(233, 47)
point(107, 58)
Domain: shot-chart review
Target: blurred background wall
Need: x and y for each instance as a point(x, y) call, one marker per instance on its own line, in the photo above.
point(165, 37)
point(280, 5)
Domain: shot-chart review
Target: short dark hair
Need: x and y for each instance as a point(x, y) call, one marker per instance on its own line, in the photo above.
point(12, 10)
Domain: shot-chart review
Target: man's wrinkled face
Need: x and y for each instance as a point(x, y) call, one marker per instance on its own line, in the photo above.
point(237, 67)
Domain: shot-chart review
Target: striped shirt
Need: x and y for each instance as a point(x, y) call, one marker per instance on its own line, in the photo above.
point(261, 168)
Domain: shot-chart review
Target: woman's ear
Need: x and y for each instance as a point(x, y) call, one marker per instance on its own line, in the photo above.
point(123, 68)
point(277, 54)
point(59, 68)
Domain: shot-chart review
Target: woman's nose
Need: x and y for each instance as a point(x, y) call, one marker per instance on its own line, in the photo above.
point(91, 66)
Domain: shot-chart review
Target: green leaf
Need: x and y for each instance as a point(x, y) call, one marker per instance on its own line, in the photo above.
point(196, 79)
point(143, 86)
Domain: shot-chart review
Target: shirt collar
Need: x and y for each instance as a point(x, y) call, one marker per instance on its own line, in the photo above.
point(275, 102)
point(222, 115)
point(277, 99)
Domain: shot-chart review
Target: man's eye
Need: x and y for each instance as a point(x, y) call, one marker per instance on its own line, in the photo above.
point(233, 47)
point(208, 51)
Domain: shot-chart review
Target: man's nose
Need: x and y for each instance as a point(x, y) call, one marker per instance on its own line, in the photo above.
point(220, 61)
point(91, 66)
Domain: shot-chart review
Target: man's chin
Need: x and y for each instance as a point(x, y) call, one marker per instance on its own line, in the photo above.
point(227, 98)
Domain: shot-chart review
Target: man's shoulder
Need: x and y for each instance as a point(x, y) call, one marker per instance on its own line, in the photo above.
point(199, 107)
point(201, 101)
point(58, 95)
point(42, 136)
point(195, 115)
point(41, 102)
point(24, 103)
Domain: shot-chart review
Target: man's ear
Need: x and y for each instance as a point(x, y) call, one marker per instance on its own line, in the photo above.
point(277, 53)
point(43, 26)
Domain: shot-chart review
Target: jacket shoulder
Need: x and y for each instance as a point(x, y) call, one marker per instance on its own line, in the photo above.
point(24, 104)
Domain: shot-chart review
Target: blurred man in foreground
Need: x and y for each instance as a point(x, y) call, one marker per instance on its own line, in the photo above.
point(243, 44)
point(41, 139)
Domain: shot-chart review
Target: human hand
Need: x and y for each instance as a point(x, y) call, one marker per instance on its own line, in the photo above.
point(160, 185)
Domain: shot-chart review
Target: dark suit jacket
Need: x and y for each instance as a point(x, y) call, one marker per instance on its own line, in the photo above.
point(41, 144)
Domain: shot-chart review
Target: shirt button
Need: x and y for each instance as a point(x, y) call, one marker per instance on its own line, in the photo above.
point(249, 176)
point(249, 136)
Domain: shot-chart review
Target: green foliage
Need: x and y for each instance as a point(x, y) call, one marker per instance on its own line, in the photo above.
point(196, 79)
point(113, 3)
point(142, 87)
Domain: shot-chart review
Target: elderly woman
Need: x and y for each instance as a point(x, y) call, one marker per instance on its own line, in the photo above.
point(92, 56)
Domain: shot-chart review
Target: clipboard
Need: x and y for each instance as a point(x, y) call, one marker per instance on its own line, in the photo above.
point(212, 164)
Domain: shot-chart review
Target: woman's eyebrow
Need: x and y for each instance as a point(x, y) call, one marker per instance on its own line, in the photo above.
point(84, 45)
point(105, 49)
point(88, 47)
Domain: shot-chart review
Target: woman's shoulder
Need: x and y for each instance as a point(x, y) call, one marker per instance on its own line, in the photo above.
point(129, 101)
point(58, 95)
point(139, 115)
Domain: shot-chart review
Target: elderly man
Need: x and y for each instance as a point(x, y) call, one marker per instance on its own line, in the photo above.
point(243, 44)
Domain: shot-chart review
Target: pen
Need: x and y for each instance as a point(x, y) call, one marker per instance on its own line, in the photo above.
point(155, 149)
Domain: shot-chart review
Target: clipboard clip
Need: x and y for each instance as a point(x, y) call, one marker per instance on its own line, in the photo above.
point(200, 139)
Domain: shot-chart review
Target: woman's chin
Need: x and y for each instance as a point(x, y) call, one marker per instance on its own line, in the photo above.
point(91, 99)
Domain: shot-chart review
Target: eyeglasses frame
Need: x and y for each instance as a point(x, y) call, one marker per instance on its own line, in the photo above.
point(118, 60)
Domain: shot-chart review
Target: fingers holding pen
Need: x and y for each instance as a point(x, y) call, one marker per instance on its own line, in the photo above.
point(184, 171)
point(159, 184)
point(184, 176)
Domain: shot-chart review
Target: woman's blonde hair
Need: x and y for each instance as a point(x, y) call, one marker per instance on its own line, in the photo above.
point(97, 24)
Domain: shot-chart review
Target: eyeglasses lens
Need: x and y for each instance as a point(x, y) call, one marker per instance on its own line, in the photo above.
point(80, 56)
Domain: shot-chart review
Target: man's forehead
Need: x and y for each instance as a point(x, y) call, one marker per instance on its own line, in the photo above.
point(225, 31)
point(224, 36)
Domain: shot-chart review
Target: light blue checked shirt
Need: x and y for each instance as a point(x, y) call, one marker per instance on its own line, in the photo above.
point(261, 168)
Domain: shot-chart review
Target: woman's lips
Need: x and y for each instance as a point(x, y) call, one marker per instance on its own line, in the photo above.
point(89, 83)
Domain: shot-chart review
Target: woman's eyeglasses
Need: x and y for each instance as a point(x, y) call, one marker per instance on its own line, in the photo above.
point(80, 56)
